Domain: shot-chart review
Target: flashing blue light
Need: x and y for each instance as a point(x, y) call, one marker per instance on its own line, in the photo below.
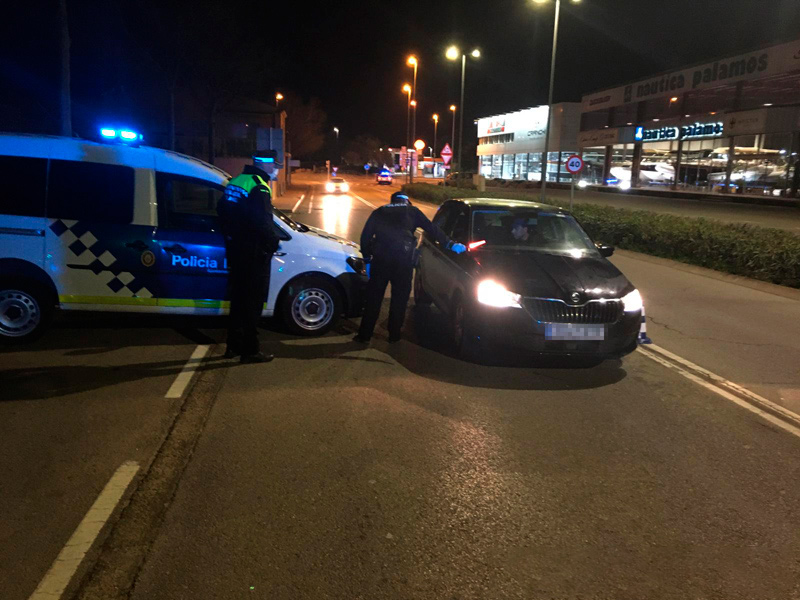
point(264, 160)
point(108, 133)
point(127, 135)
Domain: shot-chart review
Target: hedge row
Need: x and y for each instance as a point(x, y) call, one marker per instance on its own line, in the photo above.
point(757, 252)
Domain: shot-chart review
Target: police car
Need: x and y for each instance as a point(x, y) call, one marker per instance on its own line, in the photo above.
point(384, 177)
point(119, 227)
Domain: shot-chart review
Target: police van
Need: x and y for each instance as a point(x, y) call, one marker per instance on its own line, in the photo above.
point(119, 227)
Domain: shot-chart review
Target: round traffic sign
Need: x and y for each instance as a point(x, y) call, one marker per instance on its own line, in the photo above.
point(574, 164)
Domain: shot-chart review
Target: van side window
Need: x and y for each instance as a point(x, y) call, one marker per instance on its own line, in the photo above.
point(23, 186)
point(90, 191)
point(187, 204)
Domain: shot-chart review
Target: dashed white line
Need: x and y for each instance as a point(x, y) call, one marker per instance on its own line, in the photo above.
point(790, 421)
point(299, 202)
point(185, 376)
point(66, 564)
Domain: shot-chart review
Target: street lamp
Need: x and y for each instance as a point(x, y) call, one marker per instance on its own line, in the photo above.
point(452, 54)
point(336, 131)
point(413, 62)
point(435, 128)
point(453, 137)
point(407, 90)
point(550, 95)
point(278, 98)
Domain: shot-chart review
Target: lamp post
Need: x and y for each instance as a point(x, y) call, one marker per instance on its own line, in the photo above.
point(452, 54)
point(278, 98)
point(407, 90)
point(413, 62)
point(336, 131)
point(435, 128)
point(550, 94)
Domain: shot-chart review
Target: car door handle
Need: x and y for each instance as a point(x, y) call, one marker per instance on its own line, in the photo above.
point(279, 254)
point(137, 245)
point(175, 249)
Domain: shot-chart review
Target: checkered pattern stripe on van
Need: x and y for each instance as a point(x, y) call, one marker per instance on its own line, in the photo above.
point(94, 255)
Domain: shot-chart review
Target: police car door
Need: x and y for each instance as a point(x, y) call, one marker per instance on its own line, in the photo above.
point(97, 254)
point(190, 259)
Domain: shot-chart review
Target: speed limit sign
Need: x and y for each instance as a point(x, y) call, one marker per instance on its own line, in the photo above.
point(574, 164)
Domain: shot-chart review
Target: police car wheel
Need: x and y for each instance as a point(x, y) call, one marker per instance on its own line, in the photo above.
point(311, 306)
point(23, 312)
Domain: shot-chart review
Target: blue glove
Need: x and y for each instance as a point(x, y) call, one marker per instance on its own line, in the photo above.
point(367, 269)
point(458, 248)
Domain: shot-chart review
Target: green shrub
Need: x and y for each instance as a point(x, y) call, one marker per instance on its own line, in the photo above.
point(757, 252)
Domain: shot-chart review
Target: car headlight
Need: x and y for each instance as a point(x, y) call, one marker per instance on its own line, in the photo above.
point(345, 187)
point(357, 264)
point(633, 302)
point(329, 187)
point(625, 185)
point(492, 293)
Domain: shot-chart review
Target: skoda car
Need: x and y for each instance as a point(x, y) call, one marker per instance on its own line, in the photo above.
point(337, 185)
point(531, 279)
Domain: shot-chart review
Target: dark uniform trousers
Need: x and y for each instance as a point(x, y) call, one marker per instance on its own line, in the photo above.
point(398, 270)
point(248, 278)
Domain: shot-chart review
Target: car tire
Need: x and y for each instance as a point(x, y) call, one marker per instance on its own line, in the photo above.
point(311, 306)
point(26, 308)
point(421, 297)
point(466, 342)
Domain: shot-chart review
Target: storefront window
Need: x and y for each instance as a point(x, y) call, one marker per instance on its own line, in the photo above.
point(486, 166)
point(508, 166)
point(764, 166)
point(521, 166)
point(497, 166)
point(535, 166)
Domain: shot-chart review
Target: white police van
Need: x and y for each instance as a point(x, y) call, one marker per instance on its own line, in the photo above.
point(114, 227)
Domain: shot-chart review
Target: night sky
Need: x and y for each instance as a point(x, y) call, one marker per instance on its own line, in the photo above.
point(351, 55)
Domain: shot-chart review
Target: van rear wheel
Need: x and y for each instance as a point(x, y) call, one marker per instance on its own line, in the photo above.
point(24, 311)
point(311, 306)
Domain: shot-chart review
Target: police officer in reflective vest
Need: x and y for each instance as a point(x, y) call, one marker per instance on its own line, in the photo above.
point(389, 247)
point(245, 211)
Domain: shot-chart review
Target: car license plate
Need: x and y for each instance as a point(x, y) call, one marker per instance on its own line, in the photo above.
point(571, 332)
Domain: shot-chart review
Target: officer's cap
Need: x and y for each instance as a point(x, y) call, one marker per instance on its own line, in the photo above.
point(267, 156)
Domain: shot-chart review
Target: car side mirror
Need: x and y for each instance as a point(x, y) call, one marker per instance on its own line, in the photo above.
point(605, 250)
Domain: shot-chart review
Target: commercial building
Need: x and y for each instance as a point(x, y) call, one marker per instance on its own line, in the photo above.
point(510, 146)
point(729, 125)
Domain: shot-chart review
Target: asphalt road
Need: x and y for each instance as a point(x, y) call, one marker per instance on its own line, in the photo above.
point(402, 472)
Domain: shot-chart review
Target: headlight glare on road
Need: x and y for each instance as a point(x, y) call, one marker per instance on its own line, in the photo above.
point(492, 293)
point(329, 187)
point(633, 302)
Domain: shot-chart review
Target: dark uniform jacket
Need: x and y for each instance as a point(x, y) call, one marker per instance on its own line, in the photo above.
point(389, 232)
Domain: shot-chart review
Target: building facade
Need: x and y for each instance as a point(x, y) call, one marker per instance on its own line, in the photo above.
point(729, 125)
point(511, 145)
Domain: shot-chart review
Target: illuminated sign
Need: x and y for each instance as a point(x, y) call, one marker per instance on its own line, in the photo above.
point(497, 126)
point(685, 132)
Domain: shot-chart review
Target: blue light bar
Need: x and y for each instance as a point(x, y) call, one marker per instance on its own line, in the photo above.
point(127, 135)
point(108, 133)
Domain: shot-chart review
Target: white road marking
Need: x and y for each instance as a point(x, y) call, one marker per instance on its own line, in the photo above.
point(69, 559)
point(299, 202)
point(185, 376)
point(370, 204)
point(718, 385)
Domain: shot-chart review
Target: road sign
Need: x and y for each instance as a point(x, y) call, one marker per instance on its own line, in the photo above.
point(574, 164)
point(366, 167)
point(446, 154)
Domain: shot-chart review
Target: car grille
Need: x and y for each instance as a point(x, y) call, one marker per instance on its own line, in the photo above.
point(557, 311)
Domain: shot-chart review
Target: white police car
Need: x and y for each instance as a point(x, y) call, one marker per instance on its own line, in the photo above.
point(115, 227)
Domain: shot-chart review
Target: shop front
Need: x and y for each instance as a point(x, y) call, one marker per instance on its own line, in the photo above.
point(729, 126)
point(511, 146)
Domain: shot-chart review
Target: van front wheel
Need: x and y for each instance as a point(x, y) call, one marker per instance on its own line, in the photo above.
point(311, 306)
point(24, 311)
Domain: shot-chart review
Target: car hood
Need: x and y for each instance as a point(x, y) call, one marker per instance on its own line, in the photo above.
point(332, 242)
point(540, 275)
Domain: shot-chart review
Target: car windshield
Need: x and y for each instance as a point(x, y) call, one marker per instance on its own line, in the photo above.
point(337, 180)
point(285, 218)
point(530, 230)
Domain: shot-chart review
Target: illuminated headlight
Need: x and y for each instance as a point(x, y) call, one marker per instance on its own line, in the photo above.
point(329, 187)
point(633, 302)
point(345, 187)
point(492, 293)
point(624, 185)
point(582, 183)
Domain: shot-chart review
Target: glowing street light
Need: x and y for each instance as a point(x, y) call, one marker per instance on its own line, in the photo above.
point(407, 90)
point(452, 54)
point(278, 98)
point(413, 62)
point(435, 128)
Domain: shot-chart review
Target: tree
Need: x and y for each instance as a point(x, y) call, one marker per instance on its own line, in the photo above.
point(305, 125)
point(363, 149)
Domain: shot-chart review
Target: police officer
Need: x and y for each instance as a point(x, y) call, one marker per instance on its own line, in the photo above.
point(388, 244)
point(245, 211)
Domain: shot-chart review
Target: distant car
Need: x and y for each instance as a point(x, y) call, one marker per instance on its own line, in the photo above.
point(384, 178)
point(532, 279)
point(337, 185)
point(459, 179)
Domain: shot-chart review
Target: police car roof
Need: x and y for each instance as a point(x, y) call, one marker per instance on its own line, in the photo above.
point(507, 203)
point(143, 157)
